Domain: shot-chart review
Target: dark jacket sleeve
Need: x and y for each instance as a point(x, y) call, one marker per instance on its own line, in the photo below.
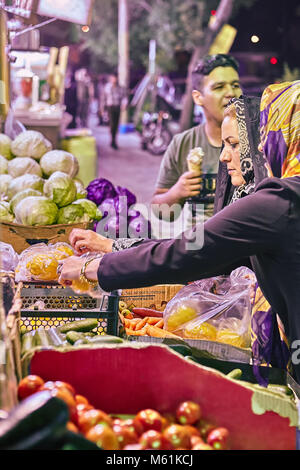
point(251, 226)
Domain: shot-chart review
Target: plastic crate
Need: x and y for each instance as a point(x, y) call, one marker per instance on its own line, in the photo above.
point(54, 305)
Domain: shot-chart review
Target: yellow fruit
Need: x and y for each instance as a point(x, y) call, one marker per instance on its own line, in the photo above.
point(203, 331)
point(230, 337)
point(63, 251)
point(80, 286)
point(182, 315)
point(43, 267)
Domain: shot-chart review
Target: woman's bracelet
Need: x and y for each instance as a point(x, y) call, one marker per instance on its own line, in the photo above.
point(83, 269)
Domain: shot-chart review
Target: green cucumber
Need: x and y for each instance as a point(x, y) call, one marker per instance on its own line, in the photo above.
point(235, 374)
point(41, 337)
point(55, 338)
point(105, 339)
point(27, 342)
point(73, 336)
point(87, 324)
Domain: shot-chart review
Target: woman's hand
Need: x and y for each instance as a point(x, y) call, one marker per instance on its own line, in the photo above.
point(70, 269)
point(84, 241)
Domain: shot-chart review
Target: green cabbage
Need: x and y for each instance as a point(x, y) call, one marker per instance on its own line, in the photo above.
point(90, 209)
point(22, 195)
point(60, 188)
point(59, 160)
point(5, 181)
point(30, 144)
point(24, 182)
point(5, 146)
point(5, 215)
point(36, 210)
point(3, 165)
point(81, 191)
point(71, 214)
point(23, 165)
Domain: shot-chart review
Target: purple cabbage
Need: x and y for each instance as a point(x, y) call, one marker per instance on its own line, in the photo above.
point(131, 198)
point(100, 189)
point(139, 227)
point(107, 207)
point(116, 227)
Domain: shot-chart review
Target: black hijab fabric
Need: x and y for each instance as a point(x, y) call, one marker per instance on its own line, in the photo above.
point(224, 189)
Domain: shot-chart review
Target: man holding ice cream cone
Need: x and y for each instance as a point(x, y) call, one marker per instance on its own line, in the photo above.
point(189, 167)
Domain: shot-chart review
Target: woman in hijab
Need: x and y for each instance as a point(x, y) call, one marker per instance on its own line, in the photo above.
point(264, 226)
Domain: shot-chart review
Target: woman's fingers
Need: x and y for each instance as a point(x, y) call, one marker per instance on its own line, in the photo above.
point(82, 246)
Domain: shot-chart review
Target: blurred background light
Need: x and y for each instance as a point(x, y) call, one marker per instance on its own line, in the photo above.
point(254, 38)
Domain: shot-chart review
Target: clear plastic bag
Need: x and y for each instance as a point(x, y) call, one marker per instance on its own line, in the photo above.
point(83, 287)
point(8, 257)
point(216, 309)
point(40, 262)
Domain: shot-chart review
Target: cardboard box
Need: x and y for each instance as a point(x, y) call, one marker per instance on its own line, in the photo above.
point(126, 378)
point(23, 236)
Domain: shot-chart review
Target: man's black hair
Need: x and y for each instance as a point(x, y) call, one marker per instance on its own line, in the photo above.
point(208, 64)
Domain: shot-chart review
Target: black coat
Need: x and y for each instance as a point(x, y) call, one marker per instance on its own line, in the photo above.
point(264, 226)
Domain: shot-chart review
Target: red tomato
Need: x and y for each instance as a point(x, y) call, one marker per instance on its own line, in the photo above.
point(204, 428)
point(188, 412)
point(29, 385)
point(133, 447)
point(81, 407)
point(134, 425)
point(149, 419)
point(71, 427)
point(125, 435)
point(218, 438)
point(103, 436)
point(177, 435)
point(68, 398)
point(154, 440)
point(50, 385)
point(90, 418)
point(81, 400)
point(194, 440)
point(202, 446)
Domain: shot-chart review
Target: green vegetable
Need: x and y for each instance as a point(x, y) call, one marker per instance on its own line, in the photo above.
point(73, 336)
point(21, 195)
point(60, 188)
point(87, 324)
point(105, 339)
point(81, 192)
point(30, 144)
point(23, 165)
point(3, 165)
point(72, 214)
point(5, 181)
point(5, 215)
point(55, 338)
point(235, 374)
point(5, 146)
point(89, 208)
point(23, 182)
point(27, 342)
point(36, 210)
point(59, 160)
point(41, 337)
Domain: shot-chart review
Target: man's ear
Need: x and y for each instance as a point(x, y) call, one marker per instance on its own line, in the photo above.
point(197, 97)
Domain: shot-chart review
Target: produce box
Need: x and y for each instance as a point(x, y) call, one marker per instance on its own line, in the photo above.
point(124, 379)
point(49, 305)
point(23, 236)
point(150, 297)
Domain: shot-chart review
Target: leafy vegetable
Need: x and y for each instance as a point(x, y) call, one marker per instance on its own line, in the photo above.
point(90, 209)
point(81, 191)
point(5, 215)
point(59, 160)
point(23, 182)
point(3, 165)
point(100, 189)
point(22, 195)
point(5, 181)
point(30, 144)
point(73, 213)
point(60, 188)
point(5, 146)
point(36, 210)
point(24, 165)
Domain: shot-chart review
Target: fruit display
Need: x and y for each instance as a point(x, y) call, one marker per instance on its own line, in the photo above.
point(148, 429)
point(38, 184)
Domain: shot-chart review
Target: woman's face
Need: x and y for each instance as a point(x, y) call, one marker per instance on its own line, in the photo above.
point(231, 151)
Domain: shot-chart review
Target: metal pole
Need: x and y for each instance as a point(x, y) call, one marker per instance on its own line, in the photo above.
point(4, 68)
point(123, 44)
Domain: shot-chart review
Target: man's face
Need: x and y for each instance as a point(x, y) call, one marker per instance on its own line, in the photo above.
point(217, 89)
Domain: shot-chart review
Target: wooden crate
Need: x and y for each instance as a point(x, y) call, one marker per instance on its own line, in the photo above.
point(155, 297)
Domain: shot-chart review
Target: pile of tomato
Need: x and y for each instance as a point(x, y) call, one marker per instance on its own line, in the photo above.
point(147, 430)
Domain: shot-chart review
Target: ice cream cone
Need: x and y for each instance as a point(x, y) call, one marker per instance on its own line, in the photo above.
point(194, 160)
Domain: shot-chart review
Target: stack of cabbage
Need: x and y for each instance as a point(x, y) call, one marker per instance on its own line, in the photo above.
point(38, 185)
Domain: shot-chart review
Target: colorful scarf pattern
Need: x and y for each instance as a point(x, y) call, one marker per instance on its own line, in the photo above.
point(279, 126)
